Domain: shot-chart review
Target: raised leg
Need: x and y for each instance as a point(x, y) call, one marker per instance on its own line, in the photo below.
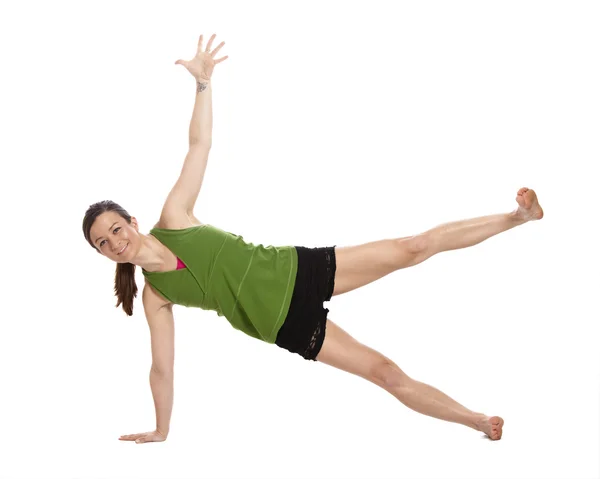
point(363, 264)
point(465, 233)
point(342, 351)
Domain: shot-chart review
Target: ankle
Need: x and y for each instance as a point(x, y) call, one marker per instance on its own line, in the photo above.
point(479, 420)
point(516, 216)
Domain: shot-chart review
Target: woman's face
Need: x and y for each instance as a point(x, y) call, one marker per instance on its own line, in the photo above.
point(110, 233)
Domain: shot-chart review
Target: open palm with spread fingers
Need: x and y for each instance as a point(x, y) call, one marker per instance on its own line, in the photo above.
point(203, 64)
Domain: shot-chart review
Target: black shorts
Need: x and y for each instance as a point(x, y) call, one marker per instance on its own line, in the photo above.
point(303, 330)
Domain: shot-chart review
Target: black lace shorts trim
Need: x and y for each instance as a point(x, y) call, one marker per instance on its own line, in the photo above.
point(303, 330)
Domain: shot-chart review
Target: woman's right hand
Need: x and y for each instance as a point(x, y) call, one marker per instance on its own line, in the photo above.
point(203, 64)
point(152, 436)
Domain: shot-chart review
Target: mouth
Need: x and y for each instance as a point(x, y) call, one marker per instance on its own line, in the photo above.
point(124, 248)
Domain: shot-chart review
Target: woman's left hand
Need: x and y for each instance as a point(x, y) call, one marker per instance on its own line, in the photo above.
point(153, 436)
point(202, 65)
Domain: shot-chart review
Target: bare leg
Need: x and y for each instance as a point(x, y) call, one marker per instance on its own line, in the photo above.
point(342, 351)
point(362, 264)
point(465, 233)
point(428, 400)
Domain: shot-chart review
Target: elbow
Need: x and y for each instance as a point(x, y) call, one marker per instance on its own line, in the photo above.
point(203, 142)
point(164, 371)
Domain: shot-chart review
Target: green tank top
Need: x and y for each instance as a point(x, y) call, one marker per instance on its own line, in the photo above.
point(251, 285)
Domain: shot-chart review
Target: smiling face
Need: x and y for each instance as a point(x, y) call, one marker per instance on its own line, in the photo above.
point(110, 233)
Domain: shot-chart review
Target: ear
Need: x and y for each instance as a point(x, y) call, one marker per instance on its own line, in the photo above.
point(134, 222)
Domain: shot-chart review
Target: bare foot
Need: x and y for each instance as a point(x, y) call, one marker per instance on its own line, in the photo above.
point(529, 208)
point(492, 426)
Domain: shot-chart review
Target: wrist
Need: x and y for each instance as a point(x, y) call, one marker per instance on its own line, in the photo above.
point(202, 84)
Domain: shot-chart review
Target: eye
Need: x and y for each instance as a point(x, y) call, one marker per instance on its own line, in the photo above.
point(114, 231)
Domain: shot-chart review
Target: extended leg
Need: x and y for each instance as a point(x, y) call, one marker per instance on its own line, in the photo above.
point(465, 233)
point(363, 264)
point(344, 352)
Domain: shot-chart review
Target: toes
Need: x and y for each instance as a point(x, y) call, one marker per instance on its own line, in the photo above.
point(496, 423)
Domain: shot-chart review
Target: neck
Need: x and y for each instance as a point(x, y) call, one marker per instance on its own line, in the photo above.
point(152, 254)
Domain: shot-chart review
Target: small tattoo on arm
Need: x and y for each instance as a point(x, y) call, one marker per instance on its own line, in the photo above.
point(200, 87)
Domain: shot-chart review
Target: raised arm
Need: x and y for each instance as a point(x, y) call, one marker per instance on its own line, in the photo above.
point(184, 194)
point(201, 123)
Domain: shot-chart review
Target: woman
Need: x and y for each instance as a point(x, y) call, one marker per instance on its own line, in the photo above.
point(274, 294)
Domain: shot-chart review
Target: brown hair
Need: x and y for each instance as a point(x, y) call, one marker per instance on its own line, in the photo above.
point(125, 285)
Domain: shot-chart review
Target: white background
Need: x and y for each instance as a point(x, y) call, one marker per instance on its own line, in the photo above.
point(334, 123)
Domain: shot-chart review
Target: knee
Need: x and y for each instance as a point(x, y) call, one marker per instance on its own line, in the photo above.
point(387, 374)
point(414, 246)
point(419, 244)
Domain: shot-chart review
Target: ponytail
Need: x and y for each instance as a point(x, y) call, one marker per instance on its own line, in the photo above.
point(125, 286)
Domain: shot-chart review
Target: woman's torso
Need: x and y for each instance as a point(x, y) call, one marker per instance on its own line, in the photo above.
point(250, 285)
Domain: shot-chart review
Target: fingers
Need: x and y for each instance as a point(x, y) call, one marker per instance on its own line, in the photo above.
point(199, 45)
point(207, 46)
point(214, 52)
point(210, 42)
point(207, 50)
point(132, 437)
point(153, 436)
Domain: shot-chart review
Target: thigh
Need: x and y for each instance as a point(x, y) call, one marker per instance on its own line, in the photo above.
point(362, 264)
point(342, 351)
point(365, 263)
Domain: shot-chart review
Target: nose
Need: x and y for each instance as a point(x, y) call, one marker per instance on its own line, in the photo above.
point(116, 247)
